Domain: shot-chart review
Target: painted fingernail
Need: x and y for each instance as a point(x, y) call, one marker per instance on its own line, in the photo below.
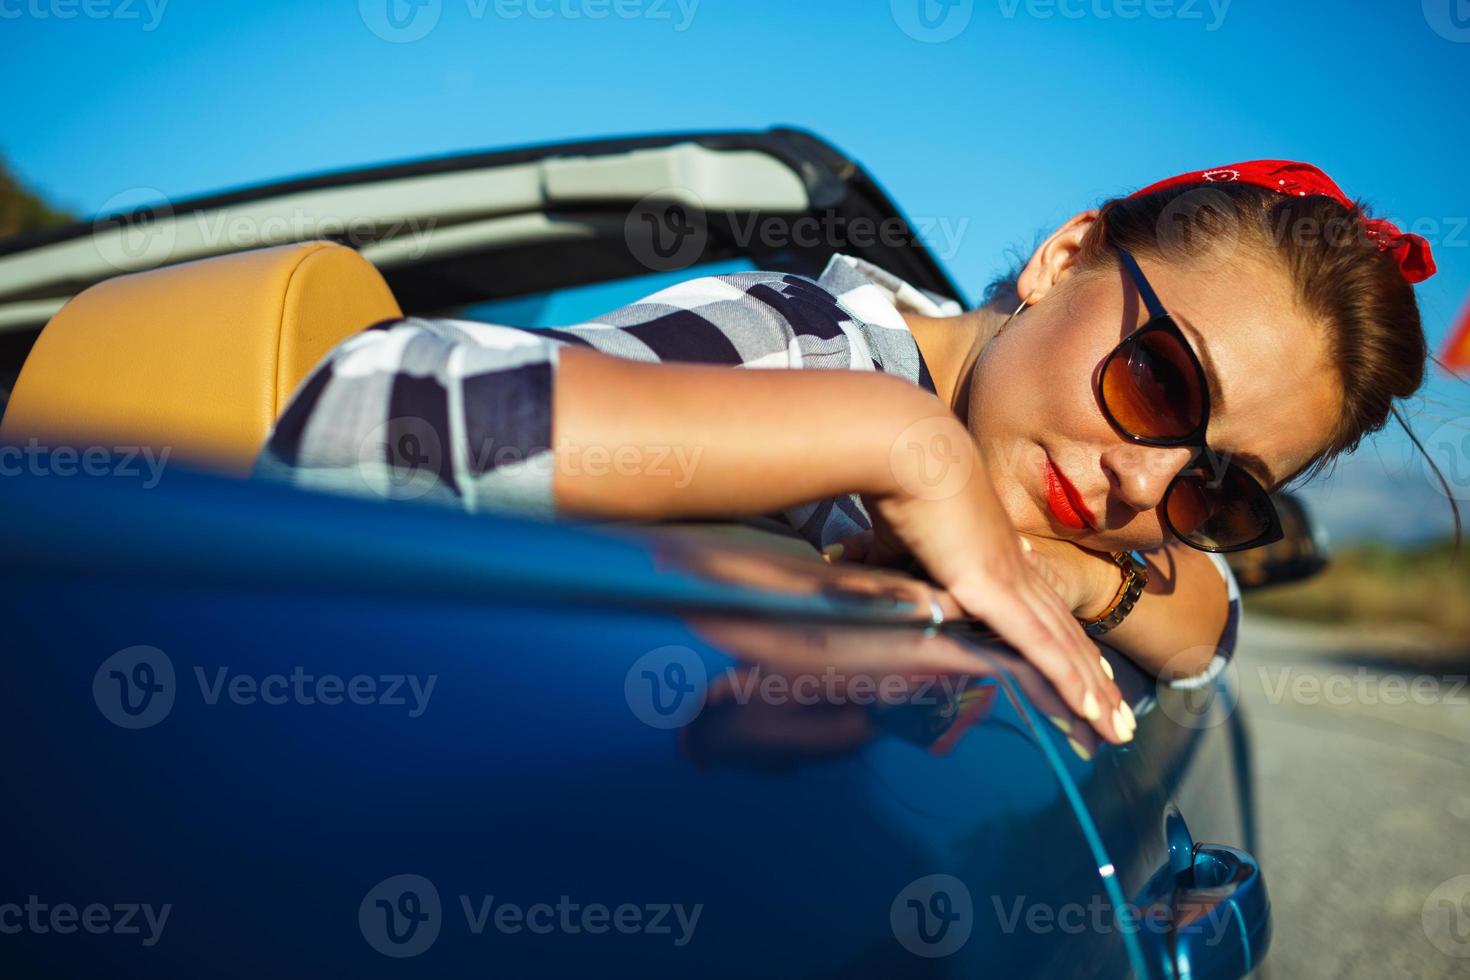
point(833, 552)
point(1062, 723)
point(1090, 710)
point(1106, 667)
point(1081, 751)
point(1121, 726)
point(1127, 714)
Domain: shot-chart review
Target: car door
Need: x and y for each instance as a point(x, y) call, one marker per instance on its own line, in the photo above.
point(283, 732)
point(1173, 812)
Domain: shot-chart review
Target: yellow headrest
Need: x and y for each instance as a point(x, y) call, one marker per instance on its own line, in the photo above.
point(198, 358)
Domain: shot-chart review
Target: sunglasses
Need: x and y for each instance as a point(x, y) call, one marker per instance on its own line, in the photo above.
point(1152, 389)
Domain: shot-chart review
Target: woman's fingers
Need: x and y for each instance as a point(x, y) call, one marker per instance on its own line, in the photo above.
point(1025, 628)
point(1029, 615)
point(1120, 715)
point(947, 605)
point(967, 543)
point(1115, 714)
point(1021, 604)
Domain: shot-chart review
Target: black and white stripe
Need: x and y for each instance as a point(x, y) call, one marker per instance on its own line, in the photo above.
point(460, 411)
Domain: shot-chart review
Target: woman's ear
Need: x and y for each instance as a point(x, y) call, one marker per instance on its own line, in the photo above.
point(1054, 259)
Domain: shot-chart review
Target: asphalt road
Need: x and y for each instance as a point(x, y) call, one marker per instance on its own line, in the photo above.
point(1363, 767)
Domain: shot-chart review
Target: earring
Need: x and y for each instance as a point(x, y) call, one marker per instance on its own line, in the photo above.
point(1003, 326)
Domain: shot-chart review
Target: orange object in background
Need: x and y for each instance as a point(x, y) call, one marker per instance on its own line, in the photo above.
point(1456, 355)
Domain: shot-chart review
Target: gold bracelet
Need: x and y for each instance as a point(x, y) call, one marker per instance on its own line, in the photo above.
point(1135, 580)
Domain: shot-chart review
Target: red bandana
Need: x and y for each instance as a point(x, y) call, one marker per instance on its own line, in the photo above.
point(1411, 252)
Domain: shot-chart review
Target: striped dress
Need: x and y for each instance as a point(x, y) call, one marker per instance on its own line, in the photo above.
point(460, 411)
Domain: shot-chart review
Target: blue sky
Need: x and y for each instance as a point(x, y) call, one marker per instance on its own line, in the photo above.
point(1002, 117)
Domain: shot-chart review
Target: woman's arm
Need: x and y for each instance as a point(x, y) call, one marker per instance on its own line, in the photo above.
point(692, 440)
point(758, 441)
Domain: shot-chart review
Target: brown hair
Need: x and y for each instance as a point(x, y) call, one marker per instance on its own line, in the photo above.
point(1376, 339)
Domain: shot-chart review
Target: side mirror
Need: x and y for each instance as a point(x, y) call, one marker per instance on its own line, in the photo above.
point(1301, 553)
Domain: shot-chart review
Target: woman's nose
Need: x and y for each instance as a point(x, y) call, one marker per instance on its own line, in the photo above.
point(1141, 474)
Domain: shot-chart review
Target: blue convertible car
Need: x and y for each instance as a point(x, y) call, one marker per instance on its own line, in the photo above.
point(257, 731)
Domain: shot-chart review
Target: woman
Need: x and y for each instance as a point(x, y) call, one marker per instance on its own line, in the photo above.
point(1154, 369)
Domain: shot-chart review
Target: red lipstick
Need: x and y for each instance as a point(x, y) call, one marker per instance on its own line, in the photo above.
point(1063, 499)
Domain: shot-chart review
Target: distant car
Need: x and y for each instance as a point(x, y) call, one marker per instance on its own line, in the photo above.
point(259, 731)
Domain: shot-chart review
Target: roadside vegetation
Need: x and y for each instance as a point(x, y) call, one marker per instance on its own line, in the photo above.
point(22, 210)
point(1422, 590)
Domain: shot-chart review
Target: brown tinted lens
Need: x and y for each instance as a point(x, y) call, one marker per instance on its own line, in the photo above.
point(1233, 512)
point(1152, 388)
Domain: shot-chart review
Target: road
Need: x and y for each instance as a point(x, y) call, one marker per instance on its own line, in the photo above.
point(1363, 765)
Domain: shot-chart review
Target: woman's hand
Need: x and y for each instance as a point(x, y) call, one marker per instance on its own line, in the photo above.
point(749, 435)
point(946, 515)
point(1086, 580)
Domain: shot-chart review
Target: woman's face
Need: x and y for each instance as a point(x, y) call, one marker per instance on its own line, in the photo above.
point(1033, 395)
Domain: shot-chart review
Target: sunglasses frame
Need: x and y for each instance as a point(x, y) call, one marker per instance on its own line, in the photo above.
point(1159, 320)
